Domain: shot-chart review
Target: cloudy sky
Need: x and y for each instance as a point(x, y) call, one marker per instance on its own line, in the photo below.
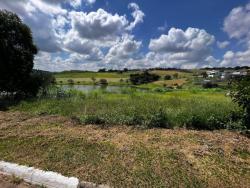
point(117, 34)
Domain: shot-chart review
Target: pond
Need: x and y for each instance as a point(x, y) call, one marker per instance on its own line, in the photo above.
point(113, 89)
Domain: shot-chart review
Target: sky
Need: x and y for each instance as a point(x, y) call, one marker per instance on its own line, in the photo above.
point(118, 34)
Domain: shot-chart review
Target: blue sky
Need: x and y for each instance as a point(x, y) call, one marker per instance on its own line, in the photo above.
point(114, 34)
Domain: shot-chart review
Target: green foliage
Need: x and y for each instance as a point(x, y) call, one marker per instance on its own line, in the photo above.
point(39, 81)
point(240, 92)
point(158, 119)
point(167, 77)
point(17, 53)
point(209, 85)
point(92, 119)
point(103, 82)
point(71, 82)
point(204, 74)
point(143, 78)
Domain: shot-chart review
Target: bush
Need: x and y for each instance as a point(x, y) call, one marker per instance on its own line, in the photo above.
point(167, 77)
point(240, 92)
point(143, 78)
point(92, 119)
point(71, 82)
point(39, 82)
point(103, 82)
point(200, 122)
point(157, 119)
point(209, 85)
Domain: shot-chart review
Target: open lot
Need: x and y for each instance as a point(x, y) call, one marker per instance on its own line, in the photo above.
point(124, 156)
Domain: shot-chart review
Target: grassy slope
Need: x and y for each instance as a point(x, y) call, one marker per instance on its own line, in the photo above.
point(126, 157)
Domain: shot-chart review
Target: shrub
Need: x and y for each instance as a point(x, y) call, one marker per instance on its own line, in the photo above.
point(71, 82)
point(103, 82)
point(39, 80)
point(208, 85)
point(167, 77)
point(143, 78)
point(157, 119)
point(92, 119)
point(195, 122)
point(240, 92)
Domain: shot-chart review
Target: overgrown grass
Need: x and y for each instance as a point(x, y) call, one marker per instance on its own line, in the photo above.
point(191, 109)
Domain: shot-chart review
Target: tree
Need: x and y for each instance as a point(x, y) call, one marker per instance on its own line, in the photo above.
point(143, 78)
point(17, 52)
point(103, 82)
point(102, 70)
point(240, 92)
point(39, 80)
point(167, 77)
point(204, 74)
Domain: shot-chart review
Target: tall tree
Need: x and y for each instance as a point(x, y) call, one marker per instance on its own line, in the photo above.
point(17, 52)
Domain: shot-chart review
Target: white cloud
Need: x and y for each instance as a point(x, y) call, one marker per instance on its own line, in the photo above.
point(190, 48)
point(178, 40)
point(223, 44)
point(232, 59)
point(237, 22)
point(123, 50)
point(137, 14)
point(39, 17)
point(237, 25)
point(99, 25)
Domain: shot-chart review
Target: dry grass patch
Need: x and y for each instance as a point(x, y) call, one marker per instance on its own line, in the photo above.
point(123, 156)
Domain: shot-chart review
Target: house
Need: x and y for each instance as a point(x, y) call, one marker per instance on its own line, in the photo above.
point(233, 74)
point(239, 74)
point(212, 74)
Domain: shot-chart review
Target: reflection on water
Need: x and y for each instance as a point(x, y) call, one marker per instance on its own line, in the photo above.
point(89, 88)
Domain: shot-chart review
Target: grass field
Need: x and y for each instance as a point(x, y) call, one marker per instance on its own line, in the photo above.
point(123, 156)
point(200, 109)
point(114, 78)
point(131, 138)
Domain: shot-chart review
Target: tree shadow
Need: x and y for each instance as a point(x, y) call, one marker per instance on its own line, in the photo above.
point(6, 103)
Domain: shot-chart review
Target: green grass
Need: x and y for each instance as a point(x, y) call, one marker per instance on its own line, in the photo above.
point(91, 74)
point(113, 78)
point(196, 108)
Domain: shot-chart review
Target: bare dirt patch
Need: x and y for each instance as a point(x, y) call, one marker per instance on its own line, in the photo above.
point(13, 182)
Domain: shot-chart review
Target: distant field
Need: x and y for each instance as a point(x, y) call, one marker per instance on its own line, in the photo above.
point(92, 74)
point(115, 78)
